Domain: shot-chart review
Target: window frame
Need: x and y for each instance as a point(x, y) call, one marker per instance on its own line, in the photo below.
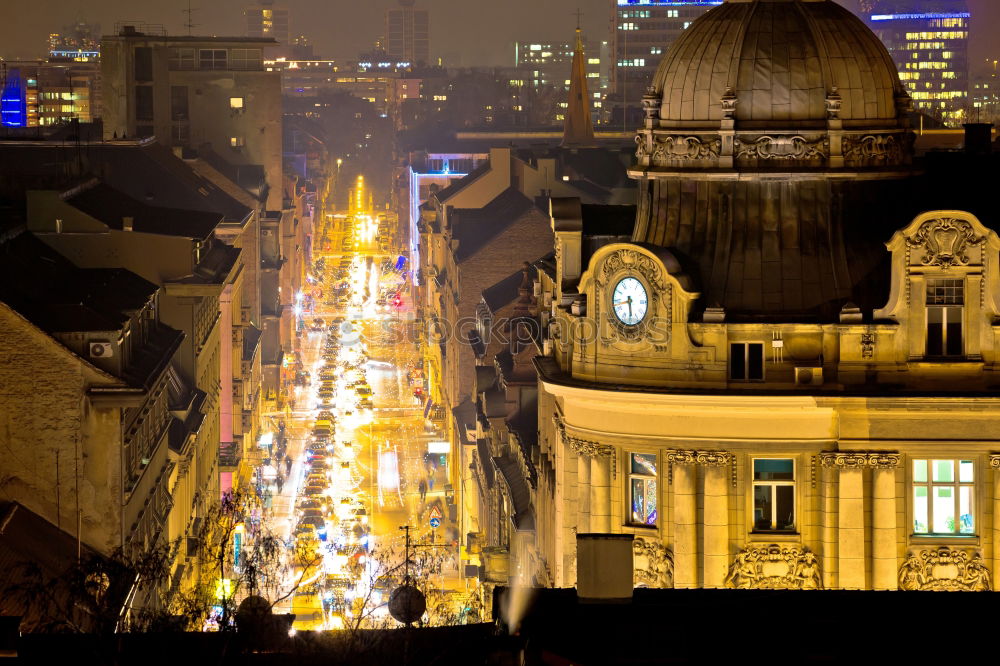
point(212, 63)
point(952, 309)
point(930, 484)
point(646, 478)
point(746, 361)
point(752, 487)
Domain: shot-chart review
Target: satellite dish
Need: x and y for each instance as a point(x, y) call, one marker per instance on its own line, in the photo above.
point(407, 604)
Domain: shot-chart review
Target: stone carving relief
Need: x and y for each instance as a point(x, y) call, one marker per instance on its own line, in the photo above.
point(775, 567)
point(673, 148)
point(944, 569)
point(872, 149)
point(653, 564)
point(640, 147)
point(833, 104)
point(693, 457)
point(651, 104)
point(944, 242)
point(867, 345)
point(780, 148)
point(860, 459)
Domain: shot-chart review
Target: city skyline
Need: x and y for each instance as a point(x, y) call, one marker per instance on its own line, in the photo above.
point(26, 37)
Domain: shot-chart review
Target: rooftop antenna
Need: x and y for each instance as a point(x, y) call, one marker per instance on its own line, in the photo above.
point(189, 23)
point(579, 15)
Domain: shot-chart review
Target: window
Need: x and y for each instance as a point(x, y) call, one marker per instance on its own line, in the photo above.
point(746, 361)
point(212, 58)
point(143, 63)
point(181, 58)
point(773, 495)
point(642, 489)
point(945, 300)
point(143, 102)
point(942, 499)
point(246, 59)
point(236, 103)
point(236, 141)
point(179, 103)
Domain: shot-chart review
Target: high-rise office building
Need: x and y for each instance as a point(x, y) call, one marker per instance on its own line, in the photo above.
point(407, 33)
point(268, 20)
point(549, 63)
point(641, 32)
point(929, 40)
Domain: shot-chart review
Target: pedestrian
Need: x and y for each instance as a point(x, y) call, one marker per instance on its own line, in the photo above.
point(288, 464)
point(430, 482)
point(281, 482)
point(423, 490)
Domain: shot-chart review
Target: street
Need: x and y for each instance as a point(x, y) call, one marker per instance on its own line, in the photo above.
point(356, 467)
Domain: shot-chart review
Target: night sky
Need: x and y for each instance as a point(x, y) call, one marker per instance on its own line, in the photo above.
point(464, 32)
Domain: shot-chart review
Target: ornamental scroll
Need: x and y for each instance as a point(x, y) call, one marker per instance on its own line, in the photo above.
point(780, 148)
point(860, 459)
point(944, 569)
point(669, 149)
point(653, 564)
point(944, 242)
point(775, 567)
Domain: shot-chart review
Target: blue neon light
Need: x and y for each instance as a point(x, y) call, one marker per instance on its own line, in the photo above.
point(919, 17)
point(13, 102)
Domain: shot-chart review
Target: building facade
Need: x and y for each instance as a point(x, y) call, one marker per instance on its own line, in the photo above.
point(929, 42)
point(641, 32)
point(268, 21)
point(407, 34)
point(51, 92)
point(779, 381)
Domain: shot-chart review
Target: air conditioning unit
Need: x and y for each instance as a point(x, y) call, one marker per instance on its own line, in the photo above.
point(809, 376)
point(101, 350)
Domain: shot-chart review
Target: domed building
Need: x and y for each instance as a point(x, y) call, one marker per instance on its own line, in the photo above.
point(787, 377)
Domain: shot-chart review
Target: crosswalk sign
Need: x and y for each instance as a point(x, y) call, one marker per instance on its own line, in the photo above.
point(435, 522)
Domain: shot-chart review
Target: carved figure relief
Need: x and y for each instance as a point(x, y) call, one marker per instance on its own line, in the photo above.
point(673, 148)
point(653, 564)
point(944, 569)
point(944, 242)
point(780, 148)
point(640, 147)
point(775, 567)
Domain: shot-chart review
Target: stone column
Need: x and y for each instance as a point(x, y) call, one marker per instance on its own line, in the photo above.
point(830, 570)
point(884, 565)
point(582, 492)
point(995, 466)
point(685, 508)
point(600, 491)
point(715, 560)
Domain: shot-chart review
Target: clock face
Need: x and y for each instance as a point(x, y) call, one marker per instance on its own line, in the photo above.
point(629, 301)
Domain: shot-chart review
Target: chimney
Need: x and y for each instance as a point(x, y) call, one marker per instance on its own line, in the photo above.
point(604, 568)
point(978, 138)
point(127, 223)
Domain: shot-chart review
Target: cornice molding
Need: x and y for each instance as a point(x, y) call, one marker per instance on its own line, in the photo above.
point(860, 459)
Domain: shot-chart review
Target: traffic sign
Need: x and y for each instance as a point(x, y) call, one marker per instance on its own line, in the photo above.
point(436, 513)
point(435, 522)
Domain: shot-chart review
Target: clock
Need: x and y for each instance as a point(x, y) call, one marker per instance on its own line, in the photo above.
point(629, 301)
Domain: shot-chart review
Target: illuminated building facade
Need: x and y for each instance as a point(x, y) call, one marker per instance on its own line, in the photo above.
point(407, 34)
point(55, 91)
point(268, 20)
point(777, 381)
point(549, 64)
point(81, 41)
point(929, 42)
point(641, 32)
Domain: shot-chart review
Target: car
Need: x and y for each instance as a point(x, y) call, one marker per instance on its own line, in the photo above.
point(366, 403)
point(326, 415)
point(314, 490)
point(364, 390)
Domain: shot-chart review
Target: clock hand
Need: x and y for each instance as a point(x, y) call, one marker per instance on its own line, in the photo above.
point(630, 307)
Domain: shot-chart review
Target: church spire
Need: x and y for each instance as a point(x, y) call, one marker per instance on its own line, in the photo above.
point(578, 129)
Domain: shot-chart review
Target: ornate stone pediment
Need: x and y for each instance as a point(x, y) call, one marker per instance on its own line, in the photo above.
point(775, 567)
point(944, 569)
point(780, 148)
point(653, 563)
point(944, 241)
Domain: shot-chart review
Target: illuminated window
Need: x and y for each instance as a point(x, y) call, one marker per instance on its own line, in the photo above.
point(235, 102)
point(642, 489)
point(656, 50)
point(945, 312)
point(943, 501)
point(236, 141)
point(773, 495)
point(746, 361)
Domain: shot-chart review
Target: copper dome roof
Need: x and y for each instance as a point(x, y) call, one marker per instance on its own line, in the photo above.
point(781, 59)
